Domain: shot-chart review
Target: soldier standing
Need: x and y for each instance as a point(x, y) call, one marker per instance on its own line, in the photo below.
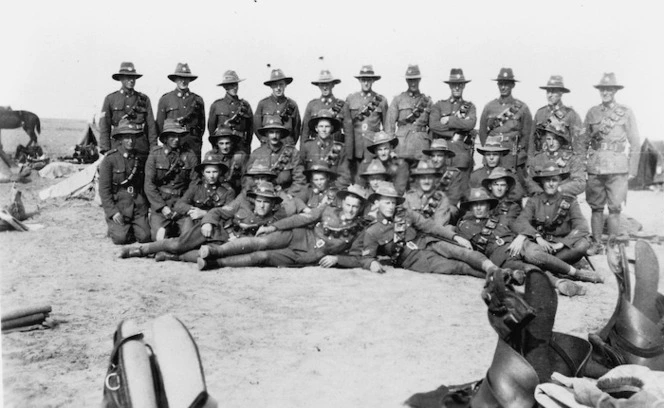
point(508, 119)
point(121, 187)
point(327, 101)
point(408, 118)
point(557, 114)
point(168, 172)
point(233, 112)
point(127, 103)
point(368, 112)
point(185, 107)
point(278, 104)
point(612, 158)
point(454, 120)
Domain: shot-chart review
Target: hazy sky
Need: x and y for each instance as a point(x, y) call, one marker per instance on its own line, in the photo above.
point(58, 56)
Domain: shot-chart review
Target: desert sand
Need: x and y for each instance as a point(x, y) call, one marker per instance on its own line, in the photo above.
point(275, 337)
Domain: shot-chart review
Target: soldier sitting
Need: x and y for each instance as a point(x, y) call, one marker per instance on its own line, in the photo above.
point(225, 143)
point(450, 181)
point(121, 178)
point(493, 152)
point(168, 171)
point(374, 175)
point(557, 149)
point(382, 147)
point(499, 183)
point(425, 199)
point(320, 237)
point(258, 172)
point(320, 190)
point(202, 196)
point(323, 147)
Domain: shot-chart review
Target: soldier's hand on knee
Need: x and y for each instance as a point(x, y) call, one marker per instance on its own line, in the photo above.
point(517, 245)
point(196, 213)
point(118, 218)
point(328, 261)
point(376, 267)
point(166, 211)
point(544, 244)
point(265, 229)
point(463, 242)
point(206, 230)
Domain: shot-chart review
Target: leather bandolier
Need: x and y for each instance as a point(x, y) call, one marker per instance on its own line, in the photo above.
point(546, 229)
point(634, 333)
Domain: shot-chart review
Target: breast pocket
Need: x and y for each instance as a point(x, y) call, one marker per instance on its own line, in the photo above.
point(118, 176)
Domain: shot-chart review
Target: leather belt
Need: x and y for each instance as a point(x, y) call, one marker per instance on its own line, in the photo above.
point(611, 146)
point(171, 191)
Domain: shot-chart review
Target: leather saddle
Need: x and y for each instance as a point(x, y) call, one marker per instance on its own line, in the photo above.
point(634, 333)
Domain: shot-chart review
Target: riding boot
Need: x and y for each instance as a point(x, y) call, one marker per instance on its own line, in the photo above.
point(151, 248)
point(244, 245)
point(597, 227)
point(166, 256)
point(131, 252)
point(189, 256)
point(613, 224)
point(540, 294)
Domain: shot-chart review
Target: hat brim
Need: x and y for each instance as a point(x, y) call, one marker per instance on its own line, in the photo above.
point(164, 135)
point(132, 133)
point(413, 77)
point(377, 196)
point(117, 75)
point(341, 195)
point(432, 172)
point(214, 138)
point(263, 173)
point(190, 77)
point(222, 167)
point(330, 172)
point(230, 82)
point(313, 122)
point(502, 150)
point(277, 199)
point(563, 176)
point(288, 80)
point(394, 142)
point(429, 152)
point(562, 88)
point(608, 86)
point(492, 201)
point(451, 81)
point(334, 82)
point(284, 132)
point(506, 79)
point(511, 181)
point(376, 77)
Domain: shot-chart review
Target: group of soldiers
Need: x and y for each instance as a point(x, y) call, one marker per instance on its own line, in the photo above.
point(371, 182)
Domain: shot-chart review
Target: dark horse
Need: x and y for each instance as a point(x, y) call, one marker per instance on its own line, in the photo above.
point(11, 119)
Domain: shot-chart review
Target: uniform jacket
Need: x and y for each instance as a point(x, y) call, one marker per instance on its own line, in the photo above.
point(238, 219)
point(184, 106)
point(224, 109)
point(291, 175)
point(461, 123)
point(564, 114)
point(272, 106)
point(364, 127)
point(471, 228)
point(317, 149)
point(613, 143)
point(541, 210)
point(204, 196)
point(518, 127)
point(136, 107)
point(161, 187)
point(507, 210)
point(566, 159)
point(237, 166)
point(398, 171)
point(316, 105)
point(116, 167)
point(316, 198)
point(416, 200)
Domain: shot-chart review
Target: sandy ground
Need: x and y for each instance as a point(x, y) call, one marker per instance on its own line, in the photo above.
point(272, 337)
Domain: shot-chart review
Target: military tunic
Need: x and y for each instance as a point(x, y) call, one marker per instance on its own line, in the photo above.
point(237, 166)
point(121, 176)
point(340, 107)
point(167, 176)
point(291, 120)
point(134, 106)
point(187, 108)
point(574, 185)
point(408, 119)
point(559, 113)
point(459, 131)
point(316, 150)
point(286, 162)
point(368, 112)
point(238, 218)
point(511, 122)
point(235, 113)
point(433, 205)
point(557, 219)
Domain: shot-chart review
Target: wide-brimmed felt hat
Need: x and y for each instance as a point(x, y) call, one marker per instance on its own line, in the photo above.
point(549, 169)
point(425, 167)
point(477, 195)
point(126, 69)
point(260, 169)
point(325, 77)
point(211, 159)
point(556, 127)
point(182, 71)
point(439, 145)
point(224, 131)
point(382, 137)
point(230, 77)
point(320, 167)
point(328, 115)
point(264, 189)
point(456, 77)
point(555, 82)
point(493, 144)
point(608, 81)
point(375, 168)
point(126, 127)
point(171, 127)
point(496, 174)
point(413, 72)
point(505, 74)
point(273, 122)
point(367, 71)
point(354, 190)
point(278, 75)
point(386, 189)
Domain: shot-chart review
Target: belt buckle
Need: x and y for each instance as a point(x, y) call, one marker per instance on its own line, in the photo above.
point(411, 245)
point(500, 241)
point(130, 189)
